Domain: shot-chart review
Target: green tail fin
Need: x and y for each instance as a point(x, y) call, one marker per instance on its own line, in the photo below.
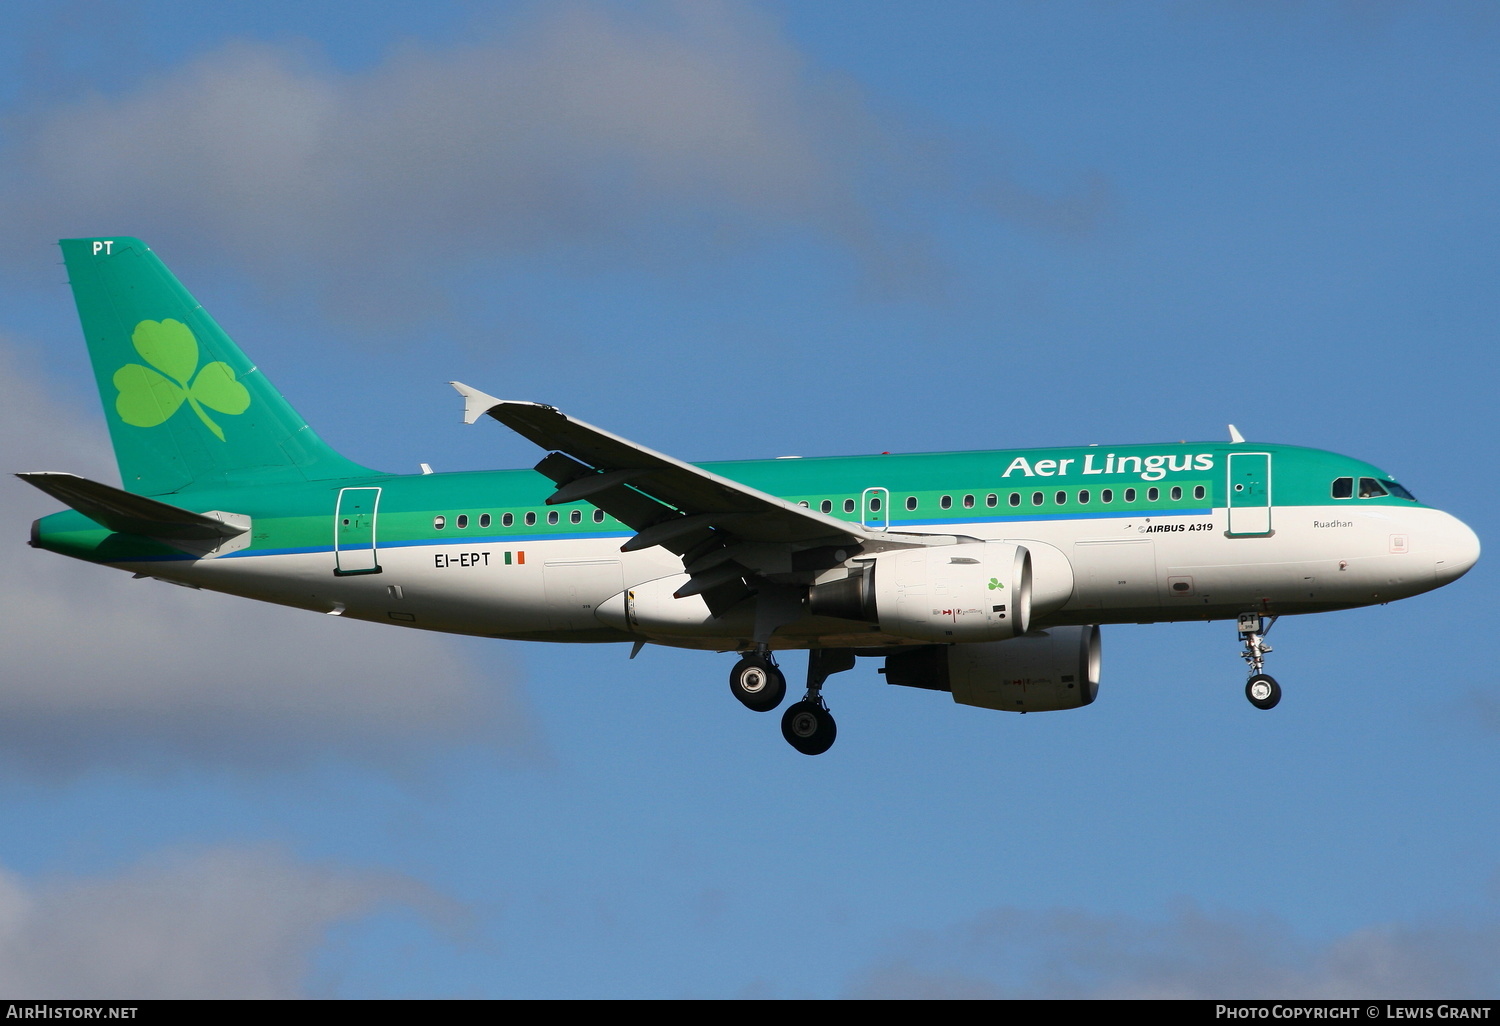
point(185, 408)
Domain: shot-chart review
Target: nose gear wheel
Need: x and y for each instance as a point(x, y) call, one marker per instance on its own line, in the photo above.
point(1261, 689)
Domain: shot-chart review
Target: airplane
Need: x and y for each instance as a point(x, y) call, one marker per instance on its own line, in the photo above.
point(982, 574)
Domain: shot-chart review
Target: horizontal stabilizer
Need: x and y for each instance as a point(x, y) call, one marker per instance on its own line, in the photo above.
point(201, 534)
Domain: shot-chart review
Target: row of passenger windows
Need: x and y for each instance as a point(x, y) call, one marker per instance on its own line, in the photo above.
point(461, 522)
point(1369, 488)
point(1060, 498)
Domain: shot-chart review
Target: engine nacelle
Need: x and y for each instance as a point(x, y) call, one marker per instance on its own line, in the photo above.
point(1053, 669)
point(976, 591)
point(1051, 577)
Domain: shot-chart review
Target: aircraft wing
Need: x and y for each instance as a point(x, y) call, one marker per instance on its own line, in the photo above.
point(727, 533)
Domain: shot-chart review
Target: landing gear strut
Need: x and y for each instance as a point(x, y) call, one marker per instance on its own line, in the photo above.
point(757, 682)
point(808, 725)
point(1261, 689)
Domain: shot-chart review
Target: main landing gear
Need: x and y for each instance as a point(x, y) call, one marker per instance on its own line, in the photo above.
point(807, 725)
point(1261, 689)
point(757, 682)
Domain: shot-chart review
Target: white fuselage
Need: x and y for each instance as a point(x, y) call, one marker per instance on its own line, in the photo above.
point(1107, 570)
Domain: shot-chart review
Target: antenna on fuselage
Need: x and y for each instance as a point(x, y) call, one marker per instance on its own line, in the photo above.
point(1234, 434)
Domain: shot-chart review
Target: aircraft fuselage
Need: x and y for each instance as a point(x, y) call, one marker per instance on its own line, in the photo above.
point(1142, 534)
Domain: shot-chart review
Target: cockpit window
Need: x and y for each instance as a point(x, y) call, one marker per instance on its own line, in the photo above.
point(1369, 488)
point(1343, 488)
point(1398, 491)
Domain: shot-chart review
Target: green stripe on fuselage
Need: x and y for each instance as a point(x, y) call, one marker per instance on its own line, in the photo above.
point(298, 517)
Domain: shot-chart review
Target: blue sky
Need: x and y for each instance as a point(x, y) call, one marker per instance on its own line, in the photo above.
point(745, 230)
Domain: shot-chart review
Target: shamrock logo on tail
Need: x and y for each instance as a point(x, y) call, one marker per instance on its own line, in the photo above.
point(150, 397)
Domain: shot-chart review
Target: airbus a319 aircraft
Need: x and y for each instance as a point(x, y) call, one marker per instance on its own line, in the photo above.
point(982, 574)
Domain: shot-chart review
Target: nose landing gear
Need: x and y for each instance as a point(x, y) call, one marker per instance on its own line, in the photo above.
point(1261, 689)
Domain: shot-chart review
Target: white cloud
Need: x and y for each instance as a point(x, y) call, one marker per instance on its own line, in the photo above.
point(1056, 953)
point(580, 126)
point(222, 923)
point(653, 133)
point(98, 669)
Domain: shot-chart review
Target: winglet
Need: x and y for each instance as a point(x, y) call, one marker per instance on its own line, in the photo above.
point(476, 403)
point(1234, 434)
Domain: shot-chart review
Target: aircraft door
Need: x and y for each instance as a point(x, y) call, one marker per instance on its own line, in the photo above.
point(354, 532)
point(875, 508)
point(1249, 493)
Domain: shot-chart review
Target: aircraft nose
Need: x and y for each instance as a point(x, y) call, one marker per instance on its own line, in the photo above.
point(1457, 549)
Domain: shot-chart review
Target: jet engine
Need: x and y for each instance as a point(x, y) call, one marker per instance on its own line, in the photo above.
point(974, 592)
point(1045, 670)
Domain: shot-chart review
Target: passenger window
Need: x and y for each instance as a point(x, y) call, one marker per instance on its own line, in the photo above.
point(1369, 488)
point(576, 516)
point(530, 519)
point(438, 523)
point(1060, 498)
point(968, 502)
point(1083, 496)
point(803, 504)
point(1176, 493)
point(911, 502)
point(552, 516)
point(462, 521)
point(874, 504)
point(1037, 498)
point(1015, 498)
point(1130, 495)
point(826, 506)
point(1343, 488)
point(1152, 494)
point(484, 520)
point(946, 502)
point(506, 520)
point(992, 500)
point(1107, 495)
point(848, 505)
point(599, 515)
point(1198, 492)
